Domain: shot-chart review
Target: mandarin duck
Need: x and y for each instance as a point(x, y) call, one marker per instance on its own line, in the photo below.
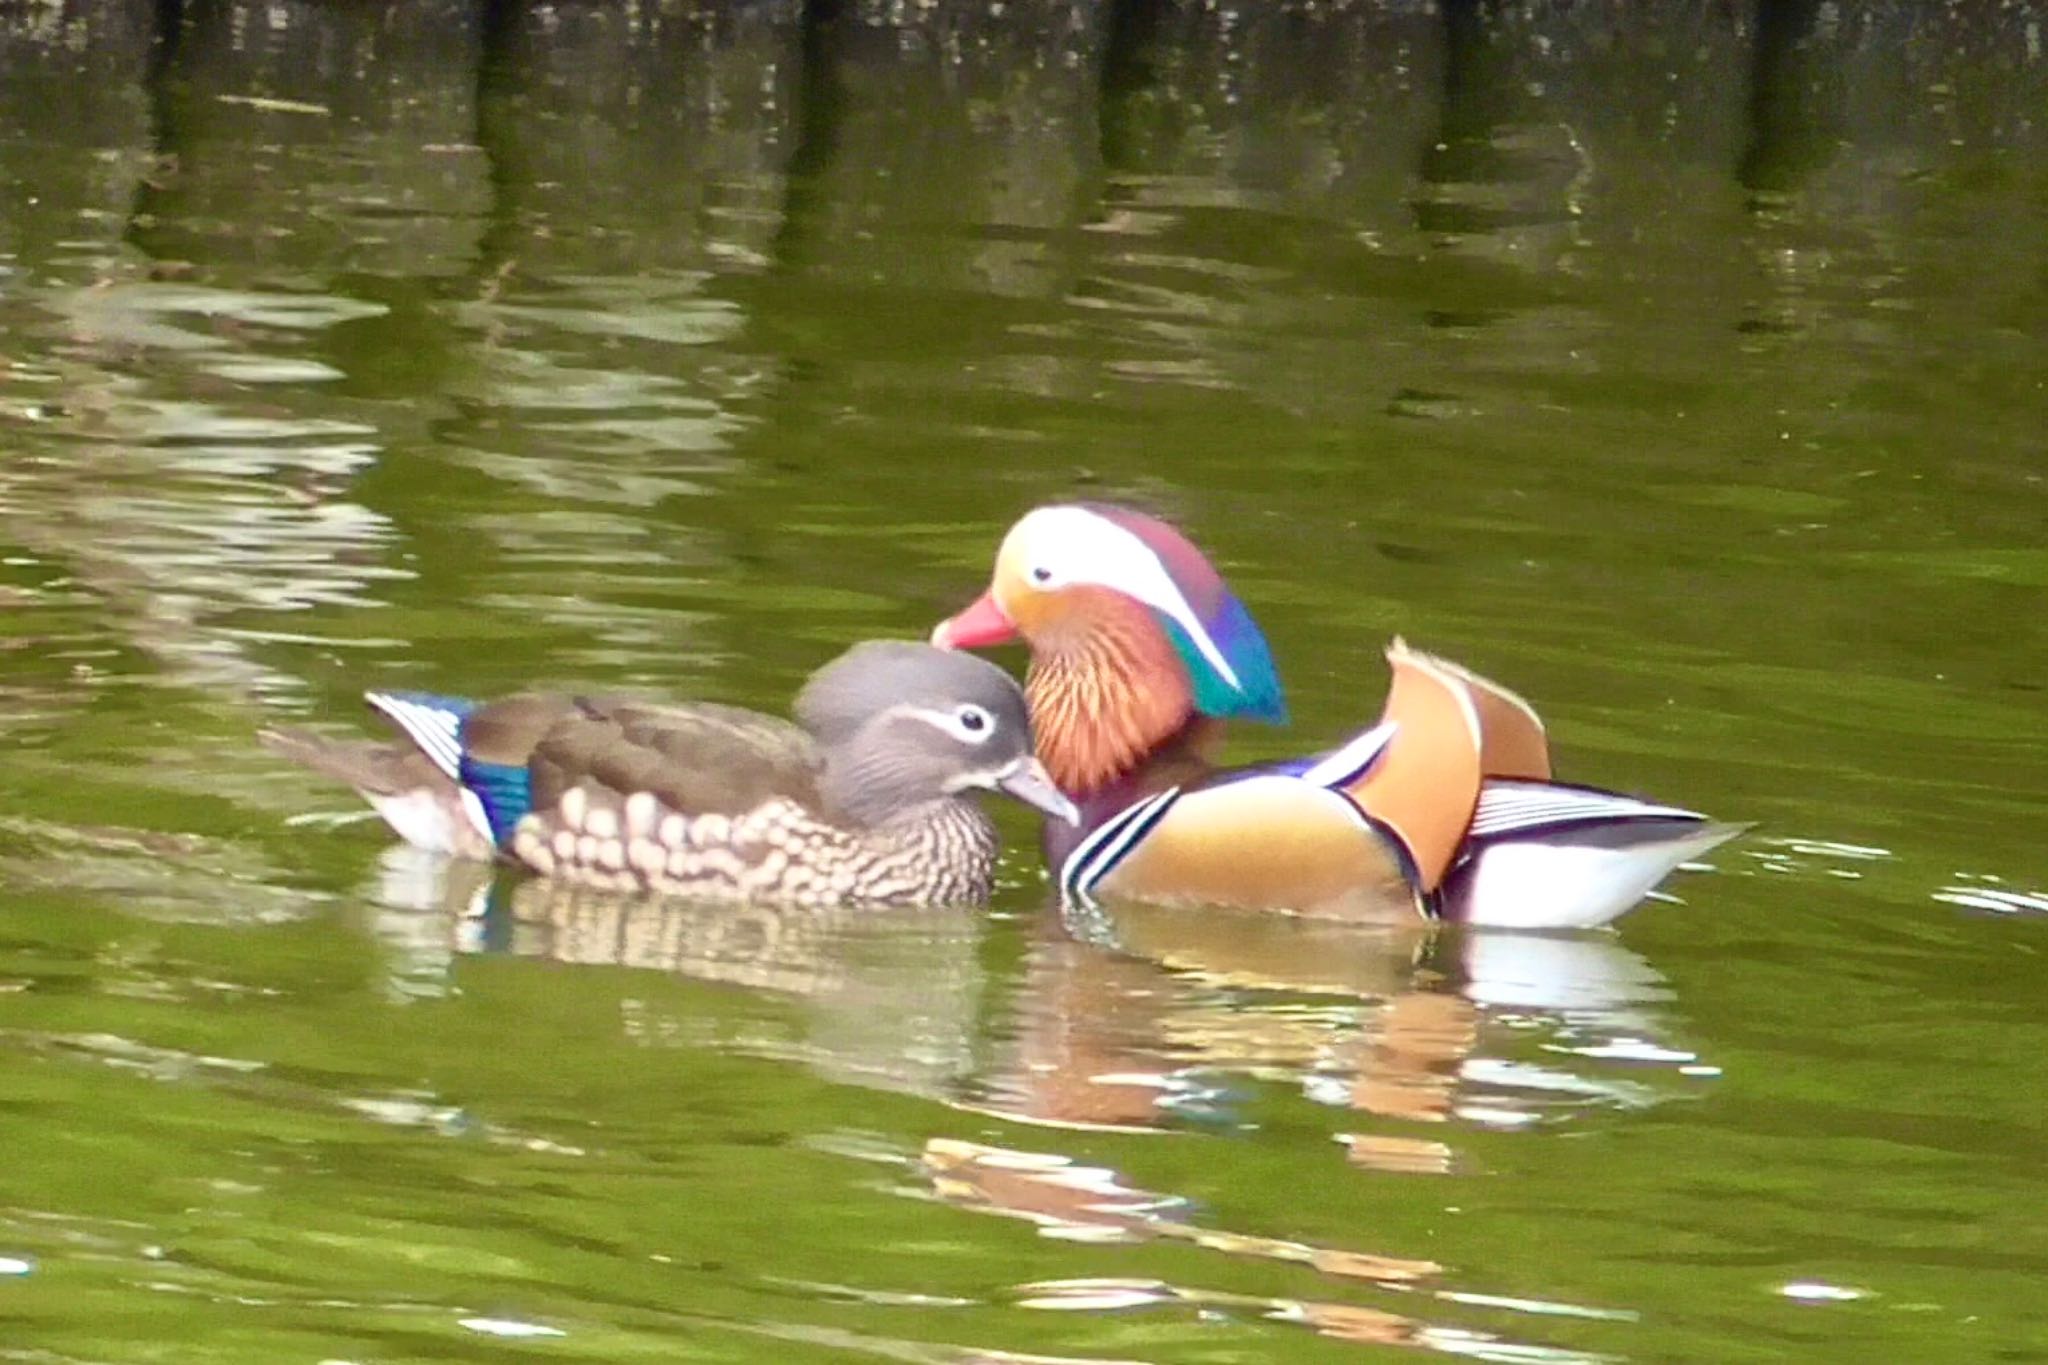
point(1445, 807)
point(867, 799)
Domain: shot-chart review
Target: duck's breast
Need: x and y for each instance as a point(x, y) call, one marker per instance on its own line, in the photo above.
point(1261, 842)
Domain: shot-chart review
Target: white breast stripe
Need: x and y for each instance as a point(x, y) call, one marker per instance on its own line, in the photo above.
point(1097, 855)
point(1076, 863)
point(1110, 854)
point(435, 731)
point(1346, 764)
point(1515, 807)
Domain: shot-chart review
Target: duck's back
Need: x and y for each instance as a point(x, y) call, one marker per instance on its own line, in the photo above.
point(697, 759)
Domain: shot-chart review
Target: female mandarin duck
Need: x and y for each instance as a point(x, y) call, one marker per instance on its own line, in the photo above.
point(868, 802)
point(1446, 806)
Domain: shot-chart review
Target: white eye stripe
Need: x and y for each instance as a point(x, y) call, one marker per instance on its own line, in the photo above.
point(969, 723)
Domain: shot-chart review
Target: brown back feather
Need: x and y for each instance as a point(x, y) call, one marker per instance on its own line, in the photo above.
point(508, 730)
point(696, 758)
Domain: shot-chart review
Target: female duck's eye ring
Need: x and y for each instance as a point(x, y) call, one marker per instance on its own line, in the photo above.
point(973, 720)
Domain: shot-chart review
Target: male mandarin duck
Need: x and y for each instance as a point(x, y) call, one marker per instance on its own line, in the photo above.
point(866, 800)
point(1446, 806)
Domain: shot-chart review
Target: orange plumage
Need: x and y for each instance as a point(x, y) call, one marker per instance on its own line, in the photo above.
point(1446, 806)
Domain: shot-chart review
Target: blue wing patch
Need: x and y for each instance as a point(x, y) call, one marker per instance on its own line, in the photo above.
point(497, 794)
point(505, 789)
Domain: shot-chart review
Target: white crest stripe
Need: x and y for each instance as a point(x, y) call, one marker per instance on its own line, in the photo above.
point(1131, 566)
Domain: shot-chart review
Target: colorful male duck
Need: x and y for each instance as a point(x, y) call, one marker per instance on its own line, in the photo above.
point(869, 802)
point(1446, 806)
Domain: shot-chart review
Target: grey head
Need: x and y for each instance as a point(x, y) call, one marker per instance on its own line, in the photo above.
point(903, 724)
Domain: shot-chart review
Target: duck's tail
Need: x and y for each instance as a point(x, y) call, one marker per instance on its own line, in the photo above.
point(371, 766)
point(422, 804)
point(457, 783)
point(1548, 856)
point(1458, 770)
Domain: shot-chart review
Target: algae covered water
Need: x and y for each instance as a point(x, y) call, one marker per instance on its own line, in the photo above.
point(1681, 366)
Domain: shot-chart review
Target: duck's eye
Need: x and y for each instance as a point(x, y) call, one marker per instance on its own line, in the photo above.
point(973, 721)
point(1041, 574)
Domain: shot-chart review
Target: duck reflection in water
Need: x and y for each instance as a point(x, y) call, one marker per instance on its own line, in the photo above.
point(1148, 1017)
point(1169, 1024)
point(1147, 1020)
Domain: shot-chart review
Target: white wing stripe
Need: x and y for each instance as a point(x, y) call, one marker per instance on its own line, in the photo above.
point(435, 731)
point(1336, 769)
point(1499, 823)
point(1507, 807)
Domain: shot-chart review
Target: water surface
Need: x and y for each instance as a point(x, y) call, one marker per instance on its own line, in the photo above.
point(1684, 368)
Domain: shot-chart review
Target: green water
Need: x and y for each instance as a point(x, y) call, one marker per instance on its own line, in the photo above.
point(1683, 367)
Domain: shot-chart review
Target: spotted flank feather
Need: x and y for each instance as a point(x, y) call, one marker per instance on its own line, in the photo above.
point(777, 852)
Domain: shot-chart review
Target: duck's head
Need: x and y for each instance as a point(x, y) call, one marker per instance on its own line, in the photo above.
point(903, 724)
point(1133, 635)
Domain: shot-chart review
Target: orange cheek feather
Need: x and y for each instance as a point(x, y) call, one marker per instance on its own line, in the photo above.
point(1106, 687)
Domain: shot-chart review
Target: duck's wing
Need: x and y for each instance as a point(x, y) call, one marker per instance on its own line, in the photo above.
point(521, 753)
point(703, 801)
point(1512, 742)
point(696, 759)
point(1443, 734)
point(1422, 780)
point(413, 781)
point(479, 751)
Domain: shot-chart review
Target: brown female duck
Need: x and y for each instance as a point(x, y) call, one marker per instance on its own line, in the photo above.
point(867, 799)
